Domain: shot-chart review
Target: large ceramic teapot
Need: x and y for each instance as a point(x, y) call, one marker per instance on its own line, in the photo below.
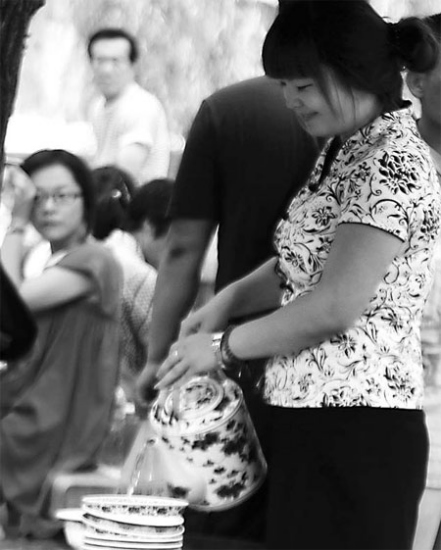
point(206, 423)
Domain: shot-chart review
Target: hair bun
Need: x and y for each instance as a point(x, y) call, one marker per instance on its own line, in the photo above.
point(414, 43)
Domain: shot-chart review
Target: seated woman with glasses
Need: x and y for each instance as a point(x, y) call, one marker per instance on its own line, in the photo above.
point(56, 402)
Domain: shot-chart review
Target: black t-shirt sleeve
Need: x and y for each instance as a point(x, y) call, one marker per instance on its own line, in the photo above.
point(195, 190)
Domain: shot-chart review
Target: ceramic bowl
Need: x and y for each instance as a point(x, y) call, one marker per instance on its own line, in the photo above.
point(90, 544)
point(73, 526)
point(134, 504)
point(134, 525)
point(96, 534)
point(108, 529)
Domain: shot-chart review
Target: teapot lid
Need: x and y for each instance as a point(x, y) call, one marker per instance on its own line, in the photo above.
point(196, 398)
point(199, 404)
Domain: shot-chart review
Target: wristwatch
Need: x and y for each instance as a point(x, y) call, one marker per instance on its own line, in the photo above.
point(225, 358)
point(216, 339)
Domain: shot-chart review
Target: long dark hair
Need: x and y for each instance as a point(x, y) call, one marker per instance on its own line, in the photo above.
point(350, 38)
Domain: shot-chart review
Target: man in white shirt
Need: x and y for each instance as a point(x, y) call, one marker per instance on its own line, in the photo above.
point(129, 123)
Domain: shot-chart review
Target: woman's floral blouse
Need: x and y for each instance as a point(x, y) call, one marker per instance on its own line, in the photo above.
point(382, 177)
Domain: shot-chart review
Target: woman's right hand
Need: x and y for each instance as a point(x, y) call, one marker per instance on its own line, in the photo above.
point(211, 317)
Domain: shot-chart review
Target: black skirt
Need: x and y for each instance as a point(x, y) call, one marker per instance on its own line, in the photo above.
point(345, 478)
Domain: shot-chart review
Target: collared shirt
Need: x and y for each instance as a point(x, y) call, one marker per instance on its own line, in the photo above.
point(135, 117)
point(382, 177)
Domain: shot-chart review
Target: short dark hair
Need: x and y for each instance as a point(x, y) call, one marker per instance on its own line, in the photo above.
point(111, 33)
point(114, 189)
point(151, 203)
point(350, 37)
point(76, 166)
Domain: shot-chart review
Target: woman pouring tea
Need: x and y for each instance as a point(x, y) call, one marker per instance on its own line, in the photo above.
point(352, 270)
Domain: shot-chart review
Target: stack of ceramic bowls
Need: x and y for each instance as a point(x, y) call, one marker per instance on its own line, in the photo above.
point(132, 522)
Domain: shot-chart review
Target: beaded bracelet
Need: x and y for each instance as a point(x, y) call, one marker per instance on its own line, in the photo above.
point(230, 360)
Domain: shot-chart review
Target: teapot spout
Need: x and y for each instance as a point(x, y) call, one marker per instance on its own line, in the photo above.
point(153, 469)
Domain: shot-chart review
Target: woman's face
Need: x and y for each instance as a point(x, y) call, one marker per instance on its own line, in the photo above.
point(340, 114)
point(58, 212)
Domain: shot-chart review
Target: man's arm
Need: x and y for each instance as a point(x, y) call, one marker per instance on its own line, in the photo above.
point(178, 281)
point(194, 210)
point(176, 289)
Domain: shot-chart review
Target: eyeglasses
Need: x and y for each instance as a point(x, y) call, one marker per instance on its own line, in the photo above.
point(113, 61)
point(58, 198)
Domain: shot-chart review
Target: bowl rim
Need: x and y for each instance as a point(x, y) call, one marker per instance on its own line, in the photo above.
point(129, 546)
point(70, 514)
point(138, 519)
point(127, 538)
point(133, 500)
point(88, 523)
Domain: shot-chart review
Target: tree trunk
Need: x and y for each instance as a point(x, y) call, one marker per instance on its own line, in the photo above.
point(15, 16)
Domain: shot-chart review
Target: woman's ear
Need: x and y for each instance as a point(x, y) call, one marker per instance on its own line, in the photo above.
point(416, 83)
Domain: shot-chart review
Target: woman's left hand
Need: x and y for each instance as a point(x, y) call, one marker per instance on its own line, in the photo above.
point(188, 357)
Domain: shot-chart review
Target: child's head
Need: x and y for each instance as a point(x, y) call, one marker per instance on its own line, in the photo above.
point(151, 202)
point(148, 217)
point(348, 43)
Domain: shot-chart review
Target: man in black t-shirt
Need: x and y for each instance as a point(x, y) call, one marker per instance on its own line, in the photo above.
point(245, 157)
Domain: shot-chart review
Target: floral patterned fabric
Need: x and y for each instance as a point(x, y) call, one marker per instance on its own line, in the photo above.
point(383, 177)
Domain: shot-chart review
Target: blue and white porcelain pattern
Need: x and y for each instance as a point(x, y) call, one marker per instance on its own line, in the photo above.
point(213, 432)
point(134, 504)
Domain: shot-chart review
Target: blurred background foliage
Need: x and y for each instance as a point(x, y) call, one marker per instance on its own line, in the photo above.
point(189, 48)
